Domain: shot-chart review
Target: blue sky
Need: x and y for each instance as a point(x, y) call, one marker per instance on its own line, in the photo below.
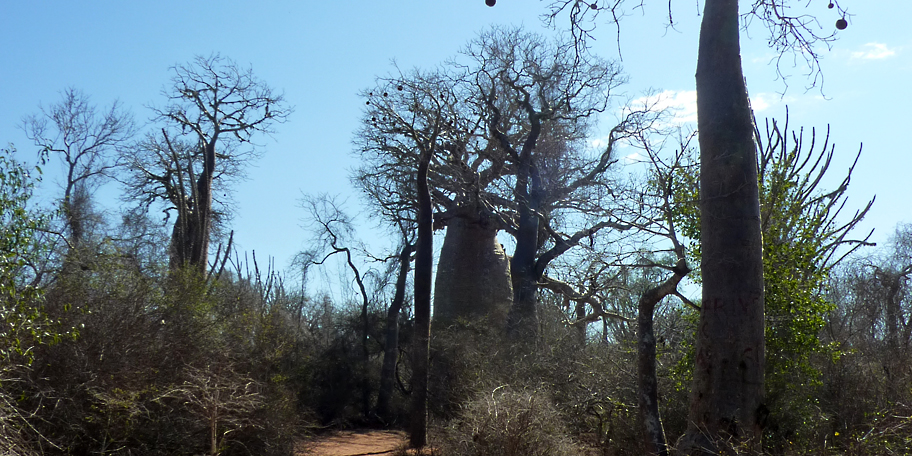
point(322, 53)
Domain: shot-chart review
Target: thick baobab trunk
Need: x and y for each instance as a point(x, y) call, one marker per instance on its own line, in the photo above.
point(199, 254)
point(727, 394)
point(473, 274)
point(424, 258)
point(190, 235)
point(391, 348)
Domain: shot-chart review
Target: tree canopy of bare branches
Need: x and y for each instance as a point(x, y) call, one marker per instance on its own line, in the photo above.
point(214, 109)
point(86, 140)
point(508, 119)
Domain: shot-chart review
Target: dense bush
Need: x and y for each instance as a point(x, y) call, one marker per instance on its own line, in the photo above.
point(163, 364)
point(507, 422)
point(587, 386)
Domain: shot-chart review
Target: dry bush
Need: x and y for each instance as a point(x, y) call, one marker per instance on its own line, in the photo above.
point(161, 363)
point(334, 376)
point(888, 432)
point(507, 422)
point(864, 414)
point(592, 385)
point(17, 437)
point(465, 359)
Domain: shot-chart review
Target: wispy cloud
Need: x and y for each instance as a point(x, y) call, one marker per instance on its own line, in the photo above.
point(681, 104)
point(765, 58)
point(874, 51)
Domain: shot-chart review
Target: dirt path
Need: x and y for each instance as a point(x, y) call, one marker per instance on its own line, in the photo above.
point(354, 443)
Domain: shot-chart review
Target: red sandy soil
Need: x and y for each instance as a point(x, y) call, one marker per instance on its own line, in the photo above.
point(354, 443)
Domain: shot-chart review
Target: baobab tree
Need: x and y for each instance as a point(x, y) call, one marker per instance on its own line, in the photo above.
point(728, 389)
point(540, 103)
point(215, 107)
point(160, 170)
point(401, 116)
point(515, 110)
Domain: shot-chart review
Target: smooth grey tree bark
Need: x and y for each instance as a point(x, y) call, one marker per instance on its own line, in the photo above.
point(728, 389)
point(473, 280)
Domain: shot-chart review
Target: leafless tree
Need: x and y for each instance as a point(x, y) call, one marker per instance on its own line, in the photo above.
point(871, 324)
point(215, 108)
point(873, 294)
point(391, 198)
point(423, 111)
point(513, 112)
point(224, 399)
point(653, 212)
point(86, 140)
point(159, 173)
point(333, 228)
point(528, 87)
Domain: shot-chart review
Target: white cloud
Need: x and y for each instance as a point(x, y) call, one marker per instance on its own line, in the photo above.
point(762, 101)
point(874, 51)
point(765, 59)
point(635, 157)
point(681, 104)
